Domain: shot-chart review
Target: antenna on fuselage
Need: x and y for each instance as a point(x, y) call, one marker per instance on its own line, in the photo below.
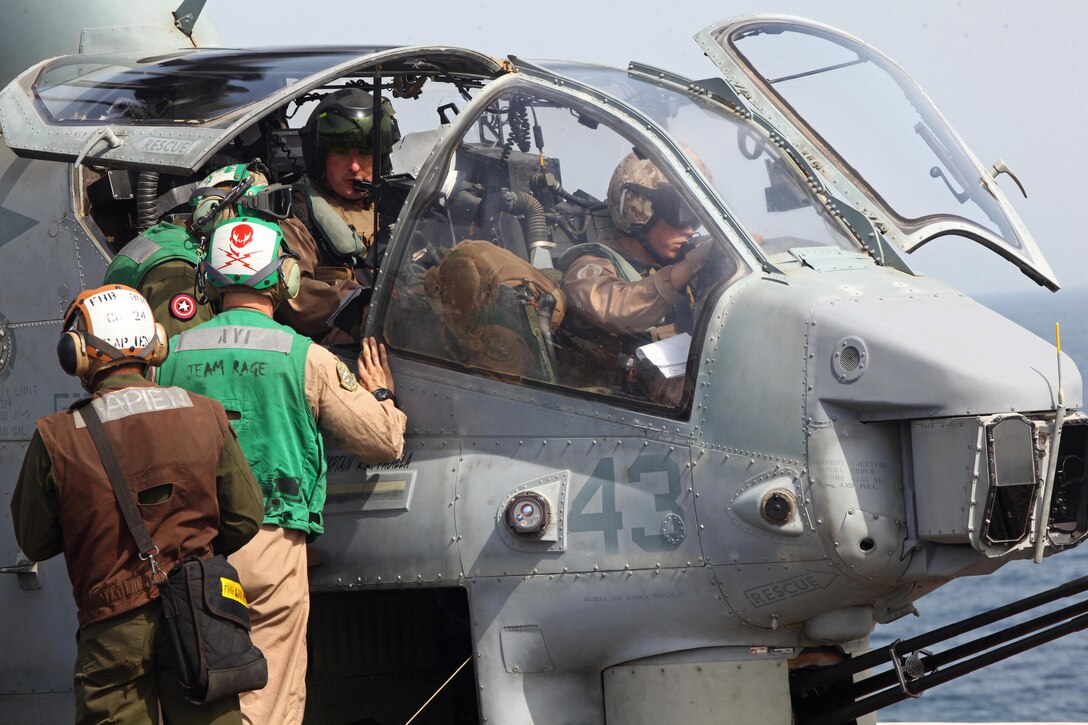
point(1058, 345)
point(1043, 519)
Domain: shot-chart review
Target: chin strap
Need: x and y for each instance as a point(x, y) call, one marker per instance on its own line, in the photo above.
point(254, 279)
point(103, 346)
point(641, 238)
point(278, 292)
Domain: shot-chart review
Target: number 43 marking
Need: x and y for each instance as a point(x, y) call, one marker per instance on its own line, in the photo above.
point(609, 521)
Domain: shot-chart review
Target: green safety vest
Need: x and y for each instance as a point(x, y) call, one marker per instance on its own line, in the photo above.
point(160, 243)
point(256, 367)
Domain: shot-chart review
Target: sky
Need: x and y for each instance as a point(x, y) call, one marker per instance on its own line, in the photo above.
point(1008, 75)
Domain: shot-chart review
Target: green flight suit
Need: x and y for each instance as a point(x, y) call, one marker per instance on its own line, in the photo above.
point(161, 265)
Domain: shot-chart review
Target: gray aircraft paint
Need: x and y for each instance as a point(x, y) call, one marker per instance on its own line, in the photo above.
point(660, 559)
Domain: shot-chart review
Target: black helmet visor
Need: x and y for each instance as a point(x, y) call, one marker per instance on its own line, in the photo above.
point(668, 205)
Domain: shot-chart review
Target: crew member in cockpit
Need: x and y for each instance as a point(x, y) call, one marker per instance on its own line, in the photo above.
point(637, 285)
point(339, 257)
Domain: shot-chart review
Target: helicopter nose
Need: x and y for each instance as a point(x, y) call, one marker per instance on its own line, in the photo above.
point(873, 403)
point(930, 356)
point(974, 398)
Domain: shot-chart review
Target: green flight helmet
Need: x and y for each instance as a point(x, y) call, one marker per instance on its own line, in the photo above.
point(345, 119)
point(215, 187)
point(267, 201)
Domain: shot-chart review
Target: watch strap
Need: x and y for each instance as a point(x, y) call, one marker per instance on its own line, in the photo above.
point(384, 394)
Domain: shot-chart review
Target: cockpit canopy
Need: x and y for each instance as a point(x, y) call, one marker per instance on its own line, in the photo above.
point(815, 151)
point(196, 87)
point(762, 188)
point(819, 125)
point(874, 133)
point(171, 112)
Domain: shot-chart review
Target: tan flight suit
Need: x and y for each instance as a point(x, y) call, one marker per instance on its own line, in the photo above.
point(275, 561)
point(599, 299)
point(196, 494)
point(373, 430)
point(273, 566)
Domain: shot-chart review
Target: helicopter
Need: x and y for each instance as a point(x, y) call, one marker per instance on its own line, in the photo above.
point(558, 543)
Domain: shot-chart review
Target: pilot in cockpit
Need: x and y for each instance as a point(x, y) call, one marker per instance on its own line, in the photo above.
point(637, 286)
point(338, 253)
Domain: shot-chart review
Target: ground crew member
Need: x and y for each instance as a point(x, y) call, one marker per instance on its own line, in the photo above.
point(338, 255)
point(195, 492)
point(282, 390)
point(161, 264)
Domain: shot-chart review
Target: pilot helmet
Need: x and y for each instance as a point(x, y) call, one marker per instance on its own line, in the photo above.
point(345, 119)
point(106, 327)
point(639, 195)
point(247, 253)
point(268, 201)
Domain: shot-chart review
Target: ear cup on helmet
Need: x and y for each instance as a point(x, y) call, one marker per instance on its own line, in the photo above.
point(72, 353)
point(161, 349)
point(291, 276)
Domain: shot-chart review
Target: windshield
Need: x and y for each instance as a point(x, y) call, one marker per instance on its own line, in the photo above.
point(765, 191)
point(192, 86)
point(537, 249)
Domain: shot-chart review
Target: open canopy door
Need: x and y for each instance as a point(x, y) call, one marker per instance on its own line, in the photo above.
point(873, 133)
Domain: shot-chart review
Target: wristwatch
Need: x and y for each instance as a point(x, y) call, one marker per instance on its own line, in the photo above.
point(384, 394)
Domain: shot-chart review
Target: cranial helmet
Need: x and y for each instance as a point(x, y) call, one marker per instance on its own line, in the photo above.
point(254, 196)
point(106, 327)
point(248, 254)
point(639, 195)
point(345, 119)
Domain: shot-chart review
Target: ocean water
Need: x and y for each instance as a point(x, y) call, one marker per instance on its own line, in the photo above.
point(1049, 683)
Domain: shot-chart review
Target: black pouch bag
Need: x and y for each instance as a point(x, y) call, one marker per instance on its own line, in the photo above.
point(208, 620)
point(207, 616)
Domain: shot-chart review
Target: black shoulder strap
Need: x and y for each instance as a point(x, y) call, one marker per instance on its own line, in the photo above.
point(120, 487)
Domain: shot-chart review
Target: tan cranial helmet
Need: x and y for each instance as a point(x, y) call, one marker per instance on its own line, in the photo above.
point(106, 327)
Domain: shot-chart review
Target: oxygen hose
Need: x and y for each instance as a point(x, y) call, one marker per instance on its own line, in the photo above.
point(147, 192)
point(523, 204)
